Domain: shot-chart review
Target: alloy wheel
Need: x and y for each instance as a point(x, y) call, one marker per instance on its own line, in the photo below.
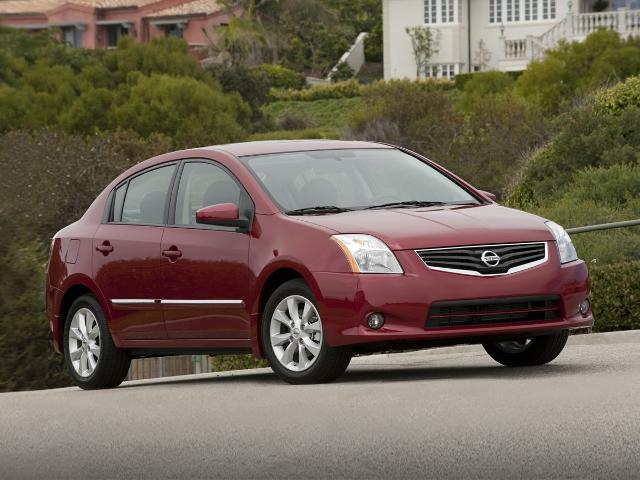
point(84, 342)
point(296, 333)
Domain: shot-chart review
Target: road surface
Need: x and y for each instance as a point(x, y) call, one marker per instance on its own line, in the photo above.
point(441, 413)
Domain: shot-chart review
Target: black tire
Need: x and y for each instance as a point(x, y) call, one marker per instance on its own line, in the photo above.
point(113, 364)
point(330, 363)
point(539, 351)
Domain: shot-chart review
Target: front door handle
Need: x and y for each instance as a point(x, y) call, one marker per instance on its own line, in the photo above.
point(172, 253)
point(106, 248)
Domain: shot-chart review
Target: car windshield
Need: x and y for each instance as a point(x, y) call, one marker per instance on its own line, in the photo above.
point(333, 181)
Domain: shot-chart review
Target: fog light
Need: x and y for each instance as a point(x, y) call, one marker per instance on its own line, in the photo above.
point(375, 321)
point(585, 305)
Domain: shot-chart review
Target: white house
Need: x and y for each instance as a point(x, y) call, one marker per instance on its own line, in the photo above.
point(505, 35)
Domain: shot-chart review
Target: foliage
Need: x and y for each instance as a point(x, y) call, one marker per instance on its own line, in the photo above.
point(599, 195)
point(28, 360)
point(254, 89)
point(342, 72)
point(152, 88)
point(188, 111)
point(309, 133)
point(483, 144)
point(327, 113)
point(573, 70)
point(585, 139)
point(616, 298)
point(424, 44)
point(222, 363)
point(361, 16)
point(348, 89)
point(620, 97)
point(275, 76)
point(479, 85)
point(49, 179)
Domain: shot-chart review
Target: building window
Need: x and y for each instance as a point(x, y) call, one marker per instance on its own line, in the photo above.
point(519, 10)
point(444, 70)
point(72, 36)
point(114, 34)
point(495, 11)
point(447, 11)
point(430, 12)
point(173, 30)
point(548, 9)
point(442, 11)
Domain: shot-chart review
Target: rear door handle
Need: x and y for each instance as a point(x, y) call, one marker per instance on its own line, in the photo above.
point(172, 253)
point(105, 247)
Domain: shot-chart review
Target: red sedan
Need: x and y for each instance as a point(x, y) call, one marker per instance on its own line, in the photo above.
point(306, 252)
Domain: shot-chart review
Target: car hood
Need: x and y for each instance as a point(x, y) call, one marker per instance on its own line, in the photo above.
point(411, 228)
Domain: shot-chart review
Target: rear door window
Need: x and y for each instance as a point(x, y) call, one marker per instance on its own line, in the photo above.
point(146, 198)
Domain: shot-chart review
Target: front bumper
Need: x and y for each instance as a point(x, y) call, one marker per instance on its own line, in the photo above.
point(347, 299)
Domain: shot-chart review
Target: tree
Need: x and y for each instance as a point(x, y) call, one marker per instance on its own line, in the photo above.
point(190, 112)
point(482, 56)
point(425, 44)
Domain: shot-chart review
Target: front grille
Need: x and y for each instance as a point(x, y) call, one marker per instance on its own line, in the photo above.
point(493, 310)
point(485, 259)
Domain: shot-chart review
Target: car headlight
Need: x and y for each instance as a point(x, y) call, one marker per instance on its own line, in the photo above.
point(566, 250)
point(367, 254)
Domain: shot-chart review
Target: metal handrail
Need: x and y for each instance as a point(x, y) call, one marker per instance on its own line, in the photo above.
point(604, 226)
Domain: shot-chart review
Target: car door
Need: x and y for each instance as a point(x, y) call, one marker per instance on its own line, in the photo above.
point(205, 273)
point(127, 260)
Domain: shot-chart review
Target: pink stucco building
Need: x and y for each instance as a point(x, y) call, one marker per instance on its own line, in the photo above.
point(101, 23)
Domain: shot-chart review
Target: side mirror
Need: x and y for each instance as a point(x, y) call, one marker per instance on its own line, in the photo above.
point(221, 214)
point(489, 195)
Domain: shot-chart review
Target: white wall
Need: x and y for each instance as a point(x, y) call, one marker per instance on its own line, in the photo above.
point(399, 14)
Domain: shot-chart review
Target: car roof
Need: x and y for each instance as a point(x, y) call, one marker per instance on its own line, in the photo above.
point(284, 146)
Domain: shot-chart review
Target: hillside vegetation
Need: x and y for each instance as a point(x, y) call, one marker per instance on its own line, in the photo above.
point(552, 141)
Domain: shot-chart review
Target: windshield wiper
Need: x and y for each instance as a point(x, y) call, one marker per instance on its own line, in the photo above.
point(408, 203)
point(317, 210)
point(418, 203)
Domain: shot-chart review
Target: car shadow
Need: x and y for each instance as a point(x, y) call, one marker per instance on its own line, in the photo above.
point(382, 373)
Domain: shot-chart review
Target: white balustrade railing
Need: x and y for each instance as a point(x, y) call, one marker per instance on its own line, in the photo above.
point(573, 27)
point(632, 22)
point(515, 49)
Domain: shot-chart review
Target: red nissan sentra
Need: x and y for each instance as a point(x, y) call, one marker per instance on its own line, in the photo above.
point(304, 253)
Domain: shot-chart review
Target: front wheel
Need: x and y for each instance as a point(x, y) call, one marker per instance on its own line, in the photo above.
point(293, 337)
point(90, 354)
point(528, 352)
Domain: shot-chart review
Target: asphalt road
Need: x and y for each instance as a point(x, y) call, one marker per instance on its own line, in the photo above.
point(447, 413)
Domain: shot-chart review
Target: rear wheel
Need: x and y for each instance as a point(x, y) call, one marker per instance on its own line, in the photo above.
point(293, 338)
point(90, 354)
point(528, 352)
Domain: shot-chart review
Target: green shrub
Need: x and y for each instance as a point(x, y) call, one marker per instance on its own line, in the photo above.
point(275, 76)
point(624, 95)
point(585, 139)
point(343, 72)
point(189, 111)
point(223, 363)
point(28, 359)
point(307, 134)
point(49, 179)
point(616, 296)
point(485, 144)
point(481, 84)
point(598, 195)
point(574, 70)
point(326, 113)
point(348, 89)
